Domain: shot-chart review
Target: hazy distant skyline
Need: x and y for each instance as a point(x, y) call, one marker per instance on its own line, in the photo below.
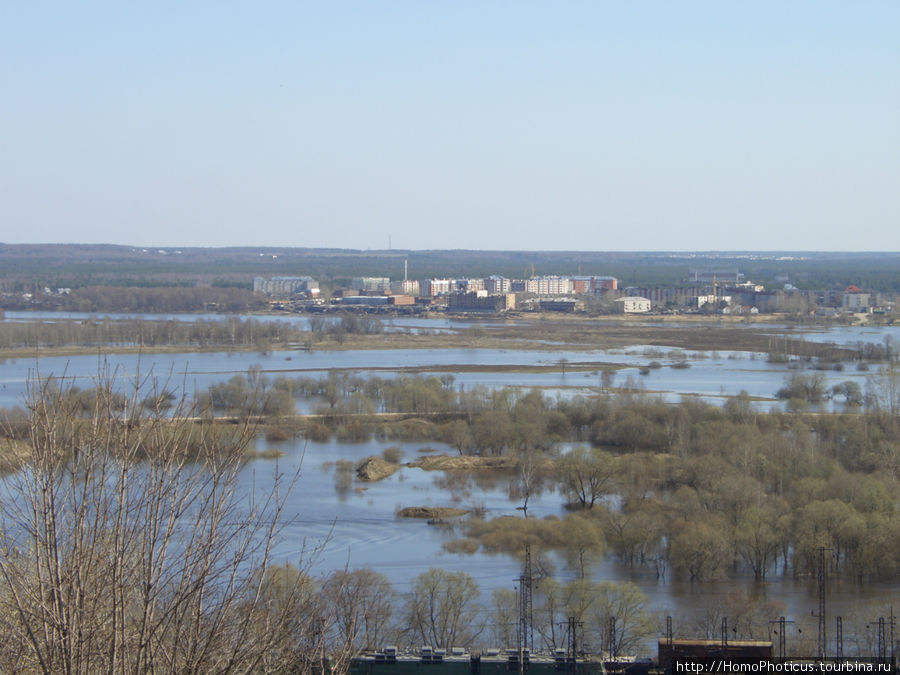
point(452, 125)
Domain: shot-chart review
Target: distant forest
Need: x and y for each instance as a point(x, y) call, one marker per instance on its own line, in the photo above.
point(31, 267)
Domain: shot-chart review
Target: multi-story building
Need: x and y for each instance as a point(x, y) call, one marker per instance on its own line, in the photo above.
point(469, 285)
point(548, 286)
point(593, 284)
point(371, 284)
point(286, 287)
point(496, 284)
point(480, 301)
point(855, 300)
point(405, 287)
point(709, 298)
point(431, 288)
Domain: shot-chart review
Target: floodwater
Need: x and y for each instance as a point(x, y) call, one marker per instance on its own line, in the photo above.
point(356, 526)
point(709, 375)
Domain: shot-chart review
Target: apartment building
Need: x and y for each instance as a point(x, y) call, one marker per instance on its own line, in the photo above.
point(371, 284)
point(285, 287)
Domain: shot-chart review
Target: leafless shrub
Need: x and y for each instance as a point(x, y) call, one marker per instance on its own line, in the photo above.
point(129, 546)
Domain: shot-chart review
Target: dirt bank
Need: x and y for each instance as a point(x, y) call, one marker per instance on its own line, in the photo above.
point(375, 468)
point(430, 512)
point(464, 463)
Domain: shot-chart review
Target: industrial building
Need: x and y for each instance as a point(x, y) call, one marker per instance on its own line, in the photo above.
point(669, 649)
point(632, 304)
point(560, 305)
point(459, 661)
point(365, 300)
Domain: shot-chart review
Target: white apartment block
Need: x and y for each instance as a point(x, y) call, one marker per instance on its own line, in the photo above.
point(495, 284)
point(405, 287)
point(544, 286)
point(285, 287)
point(431, 288)
point(469, 285)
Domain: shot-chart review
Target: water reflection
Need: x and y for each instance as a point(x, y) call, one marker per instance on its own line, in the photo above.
point(360, 527)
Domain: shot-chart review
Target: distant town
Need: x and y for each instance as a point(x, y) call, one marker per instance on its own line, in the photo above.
point(719, 291)
point(107, 278)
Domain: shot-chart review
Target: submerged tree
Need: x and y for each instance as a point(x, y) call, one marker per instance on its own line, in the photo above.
point(587, 475)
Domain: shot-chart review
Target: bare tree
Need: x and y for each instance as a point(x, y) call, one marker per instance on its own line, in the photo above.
point(527, 480)
point(587, 475)
point(442, 610)
point(504, 616)
point(126, 546)
point(363, 604)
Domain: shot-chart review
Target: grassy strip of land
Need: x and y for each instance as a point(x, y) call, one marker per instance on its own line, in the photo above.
point(557, 334)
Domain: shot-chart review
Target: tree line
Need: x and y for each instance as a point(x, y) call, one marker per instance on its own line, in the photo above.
point(691, 489)
point(227, 332)
point(140, 299)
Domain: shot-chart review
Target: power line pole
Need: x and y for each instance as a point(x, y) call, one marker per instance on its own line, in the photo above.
point(612, 638)
point(839, 638)
point(892, 632)
point(782, 635)
point(573, 628)
point(526, 607)
point(526, 614)
point(571, 643)
point(820, 575)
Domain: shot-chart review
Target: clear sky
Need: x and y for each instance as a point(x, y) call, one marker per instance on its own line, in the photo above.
point(562, 124)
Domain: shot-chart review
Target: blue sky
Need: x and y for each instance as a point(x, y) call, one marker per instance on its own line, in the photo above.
point(490, 125)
